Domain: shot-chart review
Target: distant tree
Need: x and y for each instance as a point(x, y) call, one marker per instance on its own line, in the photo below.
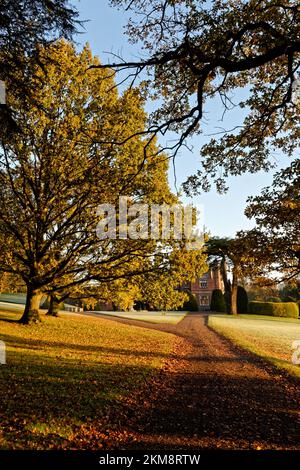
point(230, 255)
point(290, 292)
point(55, 304)
point(159, 290)
point(162, 293)
point(261, 288)
point(242, 300)
point(217, 303)
point(124, 297)
point(274, 243)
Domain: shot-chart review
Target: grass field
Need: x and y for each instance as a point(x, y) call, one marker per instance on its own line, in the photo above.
point(15, 303)
point(13, 298)
point(268, 337)
point(10, 307)
point(63, 376)
point(153, 317)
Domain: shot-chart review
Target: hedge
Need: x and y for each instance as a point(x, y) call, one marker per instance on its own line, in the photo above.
point(242, 300)
point(277, 299)
point(217, 303)
point(191, 304)
point(274, 309)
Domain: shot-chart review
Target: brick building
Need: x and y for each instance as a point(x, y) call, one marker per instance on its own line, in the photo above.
point(203, 287)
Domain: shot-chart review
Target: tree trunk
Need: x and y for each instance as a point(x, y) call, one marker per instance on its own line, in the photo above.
point(53, 306)
point(31, 312)
point(227, 295)
point(227, 285)
point(233, 299)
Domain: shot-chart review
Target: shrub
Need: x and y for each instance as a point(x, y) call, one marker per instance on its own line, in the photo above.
point(218, 303)
point(274, 309)
point(276, 299)
point(288, 298)
point(191, 304)
point(242, 300)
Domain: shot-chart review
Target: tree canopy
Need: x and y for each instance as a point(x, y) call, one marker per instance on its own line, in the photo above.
point(275, 241)
point(24, 25)
point(196, 51)
point(54, 176)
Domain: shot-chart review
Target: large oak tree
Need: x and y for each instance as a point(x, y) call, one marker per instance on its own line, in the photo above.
point(274, 243)
point(54, 175)
point(196, 51)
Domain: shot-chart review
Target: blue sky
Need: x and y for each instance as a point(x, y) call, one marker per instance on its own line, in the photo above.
point(224, 214)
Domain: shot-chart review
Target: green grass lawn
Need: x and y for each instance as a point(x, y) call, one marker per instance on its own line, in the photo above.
point(14, 298)
point(63, 376)
point(6, 307)
point(153, 317)
point(268, 337)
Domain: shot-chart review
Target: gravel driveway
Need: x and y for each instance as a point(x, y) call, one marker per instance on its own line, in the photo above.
point(212, 394)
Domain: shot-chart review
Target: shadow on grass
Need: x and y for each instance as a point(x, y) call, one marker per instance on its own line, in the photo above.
point(10, 320)
point(41, 403)
point(42, 397)
point(220, 412)
point(32, 344)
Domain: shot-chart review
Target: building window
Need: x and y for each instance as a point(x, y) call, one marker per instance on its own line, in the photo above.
point(204, 300)
point(203, 284)
point(207, 275)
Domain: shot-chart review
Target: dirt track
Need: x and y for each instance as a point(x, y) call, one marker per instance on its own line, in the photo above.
point(212, 394)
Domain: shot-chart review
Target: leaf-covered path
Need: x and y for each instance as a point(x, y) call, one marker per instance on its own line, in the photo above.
point(212, 394)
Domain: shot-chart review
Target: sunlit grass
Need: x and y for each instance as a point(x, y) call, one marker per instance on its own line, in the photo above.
point(268, 337)
point(168, 317)
point(63, 375)
point(17, 298)
point(153, 317)
point(7, 307)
